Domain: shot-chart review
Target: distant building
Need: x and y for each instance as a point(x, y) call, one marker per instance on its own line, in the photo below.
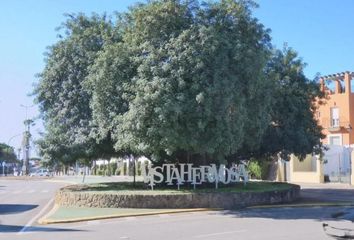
point(336, 113)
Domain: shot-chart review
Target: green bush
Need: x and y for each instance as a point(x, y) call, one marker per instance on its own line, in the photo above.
point(254, 169)
point(100, 172)
point(125, 169)
point(258, 169)
point(94, 170)
point(138, 168)
point(113, 168)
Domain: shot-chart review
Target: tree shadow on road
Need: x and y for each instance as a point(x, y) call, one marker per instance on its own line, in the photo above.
point(286, 213)
point(18, 228)
point(15, 208)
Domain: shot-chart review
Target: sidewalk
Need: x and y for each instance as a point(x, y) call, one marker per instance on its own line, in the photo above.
point(328, 185)
point(327, 192)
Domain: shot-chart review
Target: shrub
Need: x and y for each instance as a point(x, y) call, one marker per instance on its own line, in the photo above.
point(94, 170)
point(113, 168)
point(138, 168)
point(100, 172)
point(258, 169)
point(125, 170)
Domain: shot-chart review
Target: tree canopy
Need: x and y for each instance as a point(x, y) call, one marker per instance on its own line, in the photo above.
point(63, 101)
point(293, 127)
point(7, 153)
point(175, 81)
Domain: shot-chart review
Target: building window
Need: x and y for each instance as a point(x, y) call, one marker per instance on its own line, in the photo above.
point(335, 117)
point(335, 140)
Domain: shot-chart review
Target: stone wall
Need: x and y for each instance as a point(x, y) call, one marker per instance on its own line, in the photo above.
point(150, 199)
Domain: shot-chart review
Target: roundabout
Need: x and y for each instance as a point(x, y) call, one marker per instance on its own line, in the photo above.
point(125, 195)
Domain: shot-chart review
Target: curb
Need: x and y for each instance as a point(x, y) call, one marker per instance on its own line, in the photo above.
point(52, 211)
point(46, 220)
point(24, 178)
point(62, 181)
point(303, 205)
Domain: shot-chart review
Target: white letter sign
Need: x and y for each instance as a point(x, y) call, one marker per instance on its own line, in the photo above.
point(172, 174)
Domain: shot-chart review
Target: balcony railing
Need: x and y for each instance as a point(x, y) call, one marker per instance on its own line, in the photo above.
point(334, 124)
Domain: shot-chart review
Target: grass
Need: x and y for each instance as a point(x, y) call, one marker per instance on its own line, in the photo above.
point(63, 214)
point(140, 187)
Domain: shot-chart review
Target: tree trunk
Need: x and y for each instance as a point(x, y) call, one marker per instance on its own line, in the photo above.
point(273, 169)
point(204, 159)
point(134, 171)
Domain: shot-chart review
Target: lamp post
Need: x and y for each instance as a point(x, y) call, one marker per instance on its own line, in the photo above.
point(8, 142)
point(26, 141)
point(26, 107)
point(26, 146)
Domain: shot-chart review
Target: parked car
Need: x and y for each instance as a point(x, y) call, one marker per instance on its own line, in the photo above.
point(41, 173)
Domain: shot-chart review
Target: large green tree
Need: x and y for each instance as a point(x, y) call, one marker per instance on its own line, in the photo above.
point(176, 81)
point(293, 128)
point(63, 101)
point(186, 82)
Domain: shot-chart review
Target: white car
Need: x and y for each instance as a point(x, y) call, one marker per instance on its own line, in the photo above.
point(40, 173)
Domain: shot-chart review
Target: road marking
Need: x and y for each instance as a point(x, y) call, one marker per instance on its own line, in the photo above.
point(16, 192)
point(220, 233)
point(31, 191)
point(163, 215)
point(130, 218)
point(29, 224)
point(44, 191)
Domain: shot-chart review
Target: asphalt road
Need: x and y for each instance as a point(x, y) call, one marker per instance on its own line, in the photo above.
point(248, 224)
point(22, 203)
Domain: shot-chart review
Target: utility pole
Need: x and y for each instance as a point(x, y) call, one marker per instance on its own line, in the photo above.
point(26, 142)
point(26, 146)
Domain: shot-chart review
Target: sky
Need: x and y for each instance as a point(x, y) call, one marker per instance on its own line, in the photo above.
point(321, 31)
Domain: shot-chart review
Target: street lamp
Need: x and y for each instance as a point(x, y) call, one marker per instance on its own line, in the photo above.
point(26, 107)
point(8, 142)
point(26, 140)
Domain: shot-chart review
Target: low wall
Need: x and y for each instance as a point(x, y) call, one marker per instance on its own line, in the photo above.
point(151, 199)
point(306, 177)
